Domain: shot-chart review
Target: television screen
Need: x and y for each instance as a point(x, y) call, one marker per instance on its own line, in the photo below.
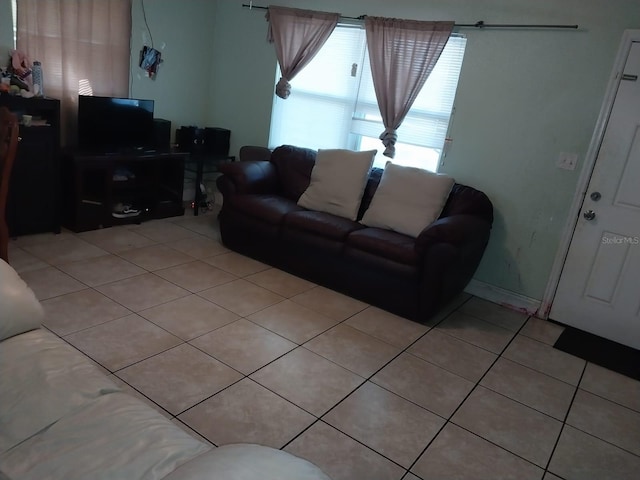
point(109, 124)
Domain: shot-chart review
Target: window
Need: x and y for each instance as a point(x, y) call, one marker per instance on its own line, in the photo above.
point(333, 104)
point(14, 15)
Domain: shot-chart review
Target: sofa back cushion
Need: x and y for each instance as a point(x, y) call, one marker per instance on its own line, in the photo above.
point(294, 166)
point(372, 185)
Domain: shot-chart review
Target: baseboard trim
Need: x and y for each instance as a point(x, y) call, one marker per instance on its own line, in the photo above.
point(506, 298)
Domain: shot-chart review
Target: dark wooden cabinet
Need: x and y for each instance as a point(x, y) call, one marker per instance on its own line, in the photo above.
point(33, 204)
point(96, 187)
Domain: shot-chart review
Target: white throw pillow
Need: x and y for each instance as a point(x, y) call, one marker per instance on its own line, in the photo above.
point(338, 180)
point(408, 199)
point(20, 310)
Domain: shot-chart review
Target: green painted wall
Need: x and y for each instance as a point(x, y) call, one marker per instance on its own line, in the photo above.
point(523, 97)
point(6, 31)
point(183, 32)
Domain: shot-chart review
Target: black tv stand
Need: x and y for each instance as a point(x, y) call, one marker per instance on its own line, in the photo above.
point(98, 187)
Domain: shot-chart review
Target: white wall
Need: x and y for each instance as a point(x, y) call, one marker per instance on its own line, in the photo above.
point(524, 97)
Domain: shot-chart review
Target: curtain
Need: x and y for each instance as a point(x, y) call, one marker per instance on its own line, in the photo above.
point(298, 35)
point(402, 54)
point(84, 48)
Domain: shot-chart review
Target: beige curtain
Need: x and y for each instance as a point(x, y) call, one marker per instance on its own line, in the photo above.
point(84, 48)
point(298, 35)
point(402, 55)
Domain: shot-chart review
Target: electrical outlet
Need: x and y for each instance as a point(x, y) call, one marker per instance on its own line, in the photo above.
point(567, 161)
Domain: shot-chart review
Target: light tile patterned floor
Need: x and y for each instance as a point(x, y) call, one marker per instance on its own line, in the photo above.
point(236, 351)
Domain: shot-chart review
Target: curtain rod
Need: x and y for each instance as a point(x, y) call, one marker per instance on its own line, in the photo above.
point(480, 24)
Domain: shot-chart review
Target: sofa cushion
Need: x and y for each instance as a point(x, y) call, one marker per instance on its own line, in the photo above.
point(337, 183)
point(43, 379)
point(369, 191)
point(385, 243)
point(270, 208)
point(465, 200)
point(408, 199)
point(248, 461)
point(321, 224)
point(115, 436)
point(294, 165)
point(21, 310)
point(247, 177)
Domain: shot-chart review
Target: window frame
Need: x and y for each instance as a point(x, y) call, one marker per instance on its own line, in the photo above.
point(355, 140)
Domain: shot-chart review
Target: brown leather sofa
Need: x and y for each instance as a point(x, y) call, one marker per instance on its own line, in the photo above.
point(412, 277)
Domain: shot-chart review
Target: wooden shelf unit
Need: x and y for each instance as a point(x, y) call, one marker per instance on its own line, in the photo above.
point(33, 204)
point(94, 185)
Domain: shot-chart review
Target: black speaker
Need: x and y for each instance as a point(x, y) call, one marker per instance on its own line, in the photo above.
point(212, 141)
point(161, 134)
point(189, 139)
point(216, 141)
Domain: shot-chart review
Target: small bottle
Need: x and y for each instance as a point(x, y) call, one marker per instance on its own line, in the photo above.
point(36, 75)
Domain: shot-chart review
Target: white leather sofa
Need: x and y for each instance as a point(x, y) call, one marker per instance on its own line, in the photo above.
point(62, 418)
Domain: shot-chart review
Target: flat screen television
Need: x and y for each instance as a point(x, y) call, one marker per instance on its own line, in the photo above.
point(112, 125)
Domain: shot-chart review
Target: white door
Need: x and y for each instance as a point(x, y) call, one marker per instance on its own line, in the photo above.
point(599, 289)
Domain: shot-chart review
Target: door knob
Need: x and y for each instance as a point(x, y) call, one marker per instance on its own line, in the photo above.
point(589, 214)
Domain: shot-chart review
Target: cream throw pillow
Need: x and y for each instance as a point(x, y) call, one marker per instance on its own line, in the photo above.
point(338, 180)
point(407, 199)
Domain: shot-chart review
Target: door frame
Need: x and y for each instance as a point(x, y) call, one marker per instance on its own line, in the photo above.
point(628, 37)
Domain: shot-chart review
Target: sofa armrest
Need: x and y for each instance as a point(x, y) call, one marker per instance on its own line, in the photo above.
point(457, 230)
point(257, 177)
point(452, 248)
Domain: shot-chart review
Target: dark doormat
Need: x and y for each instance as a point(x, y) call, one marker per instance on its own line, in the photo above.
point(606, 353)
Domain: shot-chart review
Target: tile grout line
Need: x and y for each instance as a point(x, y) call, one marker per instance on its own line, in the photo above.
point(320, 420)
point(604, 440)
point(564, 421)
point(405, 350)
point(187, 342)
point(182, 341)
point(247, 376)
point(448, 420)
point(368, 379)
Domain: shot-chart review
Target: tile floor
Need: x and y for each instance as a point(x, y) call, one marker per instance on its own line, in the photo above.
point(237, 351)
